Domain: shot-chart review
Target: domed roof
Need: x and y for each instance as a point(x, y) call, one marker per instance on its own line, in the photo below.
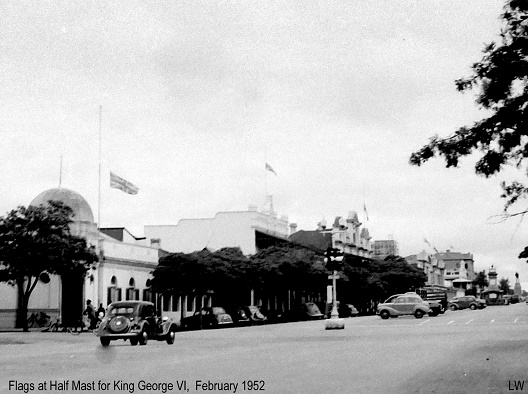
point(81, 210)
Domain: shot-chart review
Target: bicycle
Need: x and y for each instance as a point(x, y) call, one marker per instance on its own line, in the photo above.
point(39, 320)
point(83, 324)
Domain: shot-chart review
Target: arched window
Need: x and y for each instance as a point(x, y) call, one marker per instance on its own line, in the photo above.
point(113, 292)
point(147, 292)
point(132, 293)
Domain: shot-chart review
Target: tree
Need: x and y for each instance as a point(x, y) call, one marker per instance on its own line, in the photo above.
point(501, 78)
point(223, 271)
point(36, 242)
point(369, 281)
point(481, 280)
point(288, 268)
point(504, 285)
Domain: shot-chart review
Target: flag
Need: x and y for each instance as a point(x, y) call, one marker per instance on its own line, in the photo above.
point(268, 167)
point(365, 210)
point(119, 183)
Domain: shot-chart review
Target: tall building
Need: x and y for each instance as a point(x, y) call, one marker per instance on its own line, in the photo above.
point(385, 248)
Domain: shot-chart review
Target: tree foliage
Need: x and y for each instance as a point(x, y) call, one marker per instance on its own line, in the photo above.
point(501, 79)
point(481, 280)
point(504, 285)
point(36, 242)
point(200, 271)
point(363, 282)
point(287, 267)
point(371, 281)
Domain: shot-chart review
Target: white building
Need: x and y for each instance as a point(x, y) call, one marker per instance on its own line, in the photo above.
point(249, 230)
point(122, 272)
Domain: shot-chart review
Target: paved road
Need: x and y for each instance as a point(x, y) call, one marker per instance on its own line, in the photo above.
point(483, 351)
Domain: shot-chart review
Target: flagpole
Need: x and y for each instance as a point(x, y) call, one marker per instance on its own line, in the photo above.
point(100, 143)
point(60, 172)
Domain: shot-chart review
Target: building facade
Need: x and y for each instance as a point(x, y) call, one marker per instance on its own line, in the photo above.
point(384, 248)
point(459, 270)
point(122, 272)
point(346, 235)
point(431, 267)
point(249, 230)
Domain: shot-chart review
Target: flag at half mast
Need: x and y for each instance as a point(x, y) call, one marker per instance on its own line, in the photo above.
point(268, 167)
point(119, 183)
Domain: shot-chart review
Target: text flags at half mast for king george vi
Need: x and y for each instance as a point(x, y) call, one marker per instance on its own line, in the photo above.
point(122, 184)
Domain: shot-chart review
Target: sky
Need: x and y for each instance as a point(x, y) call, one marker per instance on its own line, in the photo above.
point(188, 100)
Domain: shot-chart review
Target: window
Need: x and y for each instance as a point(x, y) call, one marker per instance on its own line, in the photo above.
point(147, 295)
point(166, 302)
point(175, 303)
point(190, 303)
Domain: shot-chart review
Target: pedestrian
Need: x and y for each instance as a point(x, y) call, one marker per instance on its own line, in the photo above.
point(90, 312)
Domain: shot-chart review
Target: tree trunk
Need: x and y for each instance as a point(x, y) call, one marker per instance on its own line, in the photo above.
point(22, 307)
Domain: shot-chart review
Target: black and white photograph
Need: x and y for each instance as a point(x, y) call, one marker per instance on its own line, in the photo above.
point(262, 196)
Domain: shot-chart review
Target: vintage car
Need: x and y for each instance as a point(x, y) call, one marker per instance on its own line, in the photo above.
point(207, 317)
point(136, 321)
point(305, 311)
point(464, 302)
point(404, 304)
point(254, 314)
point(239, 316)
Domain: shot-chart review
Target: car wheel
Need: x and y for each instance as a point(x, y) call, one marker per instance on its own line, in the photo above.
point(170, 336)
point(433, 314)
point(105, 341)
point(384, 314)
point(143, 337)
point(453, 307)
point(418, 314)
point(472, 307)
point(133, 341)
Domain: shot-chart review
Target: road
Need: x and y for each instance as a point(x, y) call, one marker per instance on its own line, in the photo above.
point(482, 351)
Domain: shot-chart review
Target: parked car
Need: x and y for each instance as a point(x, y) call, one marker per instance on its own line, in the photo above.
point(207, 317)
point(136, 321)
point(305, 311)
point(254, 314)
point(344, 310)
point(464, 302)
point(403, 304)
point(239, 316)
point(347, 310)
point(511, 299)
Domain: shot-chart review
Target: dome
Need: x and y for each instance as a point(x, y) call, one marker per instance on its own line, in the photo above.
point(81, 210)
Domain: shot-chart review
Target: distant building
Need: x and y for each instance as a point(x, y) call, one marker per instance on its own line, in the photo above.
point(459, 270)
point(347, 235)
point(430, 266)
point(384, 248)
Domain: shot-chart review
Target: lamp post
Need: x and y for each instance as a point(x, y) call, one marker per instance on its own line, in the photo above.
point(333, 261)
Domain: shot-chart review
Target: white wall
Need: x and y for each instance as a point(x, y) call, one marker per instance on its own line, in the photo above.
point(226, 229)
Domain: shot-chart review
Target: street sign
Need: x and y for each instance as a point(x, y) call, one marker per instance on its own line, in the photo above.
point(333, 276)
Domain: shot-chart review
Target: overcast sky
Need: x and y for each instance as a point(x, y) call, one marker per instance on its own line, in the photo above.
point(197, 96)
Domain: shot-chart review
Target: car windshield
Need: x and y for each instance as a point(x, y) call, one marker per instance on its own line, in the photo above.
point(121, 310)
